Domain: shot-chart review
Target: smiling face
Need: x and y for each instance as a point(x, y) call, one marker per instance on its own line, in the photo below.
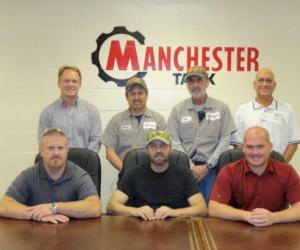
point(197, 86)
point(264, 83)
point(257, 148)
point(137, 99)
point(69, 83)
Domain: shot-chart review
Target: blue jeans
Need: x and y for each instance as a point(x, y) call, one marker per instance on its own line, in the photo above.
point(206, 184)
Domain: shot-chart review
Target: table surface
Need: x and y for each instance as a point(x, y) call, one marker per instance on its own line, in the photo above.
point(117, 232)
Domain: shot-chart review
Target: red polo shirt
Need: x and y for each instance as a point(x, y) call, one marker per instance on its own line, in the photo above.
point(277, 187)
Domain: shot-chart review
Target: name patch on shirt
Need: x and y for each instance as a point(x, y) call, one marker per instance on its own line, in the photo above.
point(149, 125)
point(277, 116)
point(212, 116)
point(186, 119)
point(126, 127)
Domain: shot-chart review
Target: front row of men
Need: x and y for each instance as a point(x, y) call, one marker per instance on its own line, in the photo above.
point(255, 189)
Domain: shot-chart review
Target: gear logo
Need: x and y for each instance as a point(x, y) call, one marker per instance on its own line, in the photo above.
point(118, 30)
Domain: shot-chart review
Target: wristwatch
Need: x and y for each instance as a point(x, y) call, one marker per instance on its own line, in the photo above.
point(53, 207)
point(209, 166)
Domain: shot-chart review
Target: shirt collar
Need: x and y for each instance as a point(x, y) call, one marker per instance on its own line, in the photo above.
point(67, 174)
point(128, 115)
point(207, 105)
point(273, 105)
point(269, 168)
point(61, 102)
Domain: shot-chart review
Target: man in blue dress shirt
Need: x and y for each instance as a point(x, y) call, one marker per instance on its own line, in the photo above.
point(79, 119)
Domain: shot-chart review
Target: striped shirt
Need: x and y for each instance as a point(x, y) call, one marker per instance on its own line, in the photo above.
point(81, 123)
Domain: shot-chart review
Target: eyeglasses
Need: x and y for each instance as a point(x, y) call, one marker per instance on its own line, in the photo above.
point(201, 115)
point(50, 131)
point(160, 133)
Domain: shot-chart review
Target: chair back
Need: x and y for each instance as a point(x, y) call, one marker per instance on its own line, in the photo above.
point(232, 155)
point(86, 159)
point(139, 157)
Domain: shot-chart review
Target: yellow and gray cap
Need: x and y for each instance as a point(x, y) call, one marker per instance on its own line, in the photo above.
point(158, 135)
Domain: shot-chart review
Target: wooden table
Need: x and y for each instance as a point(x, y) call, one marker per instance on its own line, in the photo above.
point(116, 232)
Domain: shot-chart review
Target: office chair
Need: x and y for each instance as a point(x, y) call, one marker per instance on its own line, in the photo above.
point(139, 157)
point(86, 159)
point(232, 155)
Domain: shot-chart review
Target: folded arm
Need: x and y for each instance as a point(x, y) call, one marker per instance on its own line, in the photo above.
point(197, 208)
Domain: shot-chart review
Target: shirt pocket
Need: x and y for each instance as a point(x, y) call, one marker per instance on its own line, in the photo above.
point(188, 131)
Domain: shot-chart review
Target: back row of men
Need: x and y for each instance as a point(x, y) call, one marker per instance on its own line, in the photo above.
point(200, 126)
point(255, 189)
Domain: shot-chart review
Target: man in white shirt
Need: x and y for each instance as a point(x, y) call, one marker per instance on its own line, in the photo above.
point(265, 111)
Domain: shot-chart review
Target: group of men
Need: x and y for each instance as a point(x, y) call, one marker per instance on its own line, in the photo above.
point(255, 189)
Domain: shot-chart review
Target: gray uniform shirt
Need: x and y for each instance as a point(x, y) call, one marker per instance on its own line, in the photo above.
point(33, 186)
point(201, 139)
point(123, 132)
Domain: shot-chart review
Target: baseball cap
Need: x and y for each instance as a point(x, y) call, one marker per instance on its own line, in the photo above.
point(133, 81)
point(196, 71)
point(158, 135)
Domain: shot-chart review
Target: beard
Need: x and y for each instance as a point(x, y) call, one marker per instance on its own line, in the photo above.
point(159, 160)
point(198, 94)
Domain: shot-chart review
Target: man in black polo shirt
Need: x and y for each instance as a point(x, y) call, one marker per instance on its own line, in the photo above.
point(158, 190)
point(52, 190)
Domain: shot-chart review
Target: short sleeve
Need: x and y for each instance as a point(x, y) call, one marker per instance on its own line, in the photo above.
point(293, 187)
point(86, 186)
point(19, 189)
point(222, 191)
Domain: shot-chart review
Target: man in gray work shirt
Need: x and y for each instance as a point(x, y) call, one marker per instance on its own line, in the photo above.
point(79, 119)
point(201, 127)
point(128, 130)
point(52, 190)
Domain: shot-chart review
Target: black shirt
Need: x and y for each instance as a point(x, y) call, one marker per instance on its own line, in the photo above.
point(171, 188)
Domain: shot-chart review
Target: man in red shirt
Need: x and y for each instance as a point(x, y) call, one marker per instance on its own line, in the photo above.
point(256, 189)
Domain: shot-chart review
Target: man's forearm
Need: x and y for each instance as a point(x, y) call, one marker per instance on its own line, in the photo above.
point(216, 209)
point(222, 146)
point(87, 208)
point(197, 210)
point(10, 208)
point(289, 152)
point(291, 214)
point(116, 208)
point(114, 159)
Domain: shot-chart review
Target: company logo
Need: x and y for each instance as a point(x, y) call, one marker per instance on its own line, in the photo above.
point(122, 54)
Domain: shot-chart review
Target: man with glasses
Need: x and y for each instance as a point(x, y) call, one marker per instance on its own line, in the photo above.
point(158, 190)
point(265, 111)
point(201, 127)
point(52, 190)
point(256, 189)
point(79, 119)
point(128, 130)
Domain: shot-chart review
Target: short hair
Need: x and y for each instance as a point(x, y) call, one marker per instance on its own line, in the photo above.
point(53, 131)
point(69, 67)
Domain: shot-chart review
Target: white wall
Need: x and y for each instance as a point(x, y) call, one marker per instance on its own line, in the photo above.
point(39, 36)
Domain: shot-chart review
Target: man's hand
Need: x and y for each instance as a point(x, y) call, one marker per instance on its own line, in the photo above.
point(39, 211)
point(55, 218)
point(145, 212)
point(261, 217)
point(163, 212)
point(199, 171)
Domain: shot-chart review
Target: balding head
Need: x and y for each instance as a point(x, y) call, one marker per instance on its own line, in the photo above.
point(257, 132)
point(265, 71)
point(257, 148)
